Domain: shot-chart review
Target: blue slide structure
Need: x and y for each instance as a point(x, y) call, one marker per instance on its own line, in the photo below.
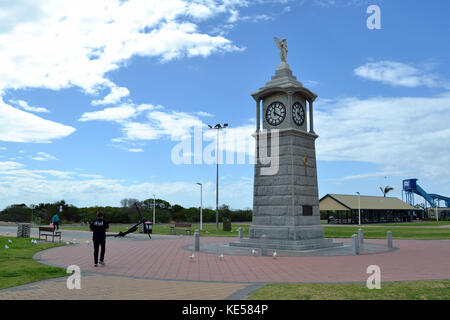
point(411, 187)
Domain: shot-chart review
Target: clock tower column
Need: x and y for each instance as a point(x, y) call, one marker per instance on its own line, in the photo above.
point(285, 196)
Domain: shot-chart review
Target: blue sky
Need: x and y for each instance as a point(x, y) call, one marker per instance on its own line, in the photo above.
point(95, 96)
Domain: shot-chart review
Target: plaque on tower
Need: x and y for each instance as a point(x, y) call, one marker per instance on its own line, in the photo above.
point(285, 193)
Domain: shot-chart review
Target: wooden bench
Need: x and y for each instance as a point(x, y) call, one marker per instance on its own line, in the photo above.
point(47, 231)
point(183, 226)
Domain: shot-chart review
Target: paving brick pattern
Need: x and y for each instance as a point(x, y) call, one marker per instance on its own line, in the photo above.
point(102, 287)
point(166, 259)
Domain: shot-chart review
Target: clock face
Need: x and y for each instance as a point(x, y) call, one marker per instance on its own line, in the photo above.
point(275, 113)
point(298, 114)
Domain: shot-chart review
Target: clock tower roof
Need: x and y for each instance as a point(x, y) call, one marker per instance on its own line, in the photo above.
point(283, 80)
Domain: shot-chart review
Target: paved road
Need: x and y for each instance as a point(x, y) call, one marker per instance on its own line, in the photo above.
point(80, 236)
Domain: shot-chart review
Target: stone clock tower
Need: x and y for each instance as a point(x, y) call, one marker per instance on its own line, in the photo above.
point(286, 211)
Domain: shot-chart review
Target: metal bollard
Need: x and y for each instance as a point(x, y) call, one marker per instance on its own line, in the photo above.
point(389, 239)
point(240, 233)
point(196, 240)
point(355, 244)
point(361, 235)
point(264, 245)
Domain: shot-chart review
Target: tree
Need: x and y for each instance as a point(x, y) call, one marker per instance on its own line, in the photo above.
point(386, 190)
point(16, 213)
point(128, 203)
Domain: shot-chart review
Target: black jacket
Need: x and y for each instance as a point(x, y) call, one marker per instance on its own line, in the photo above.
point(99, 227)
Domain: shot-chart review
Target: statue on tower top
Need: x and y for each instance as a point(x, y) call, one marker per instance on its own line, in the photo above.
point(283, 48)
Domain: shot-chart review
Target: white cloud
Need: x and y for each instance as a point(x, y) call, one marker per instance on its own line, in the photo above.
point(42, 156)
point(235, 140)
point(17, 170)
point(58, 44)
point(27, 187)
point(405, 135)
point(116, 94)
point(9, 165)
point(140, 131)
point(118, 114)
point(258, 17)
point(174, 125)
point(24, 105)
point(93, 176)
point(234, 16)
point(161, 123)
point(20, 126)
point(204, 114)
point(398, 74)
point(56, 173)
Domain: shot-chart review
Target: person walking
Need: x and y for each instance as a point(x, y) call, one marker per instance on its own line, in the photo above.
point(55, 221)
point(99, 228)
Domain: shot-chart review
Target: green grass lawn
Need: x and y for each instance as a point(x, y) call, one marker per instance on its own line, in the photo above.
point(164, 229)
point(398, 232)
point(414, 230)
point(17, 266)
point(419, 224)
point(410, 290)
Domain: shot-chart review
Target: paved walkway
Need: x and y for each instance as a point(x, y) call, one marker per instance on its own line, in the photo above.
point(161, 269)
point(103, 287)
point(166, 259)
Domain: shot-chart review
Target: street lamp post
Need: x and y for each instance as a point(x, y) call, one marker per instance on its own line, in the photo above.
point(32, 207)
point(201, 205)
point(436, 203)
point(154, 199)
point(217, 127)
point(359, 208)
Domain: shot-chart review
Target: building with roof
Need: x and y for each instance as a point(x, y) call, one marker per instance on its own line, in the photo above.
point(340, 208)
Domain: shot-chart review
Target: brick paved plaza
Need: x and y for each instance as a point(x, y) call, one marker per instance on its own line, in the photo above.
point(161, 269)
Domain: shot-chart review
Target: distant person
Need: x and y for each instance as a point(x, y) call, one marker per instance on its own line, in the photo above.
point(56, 222)
point(99, 228)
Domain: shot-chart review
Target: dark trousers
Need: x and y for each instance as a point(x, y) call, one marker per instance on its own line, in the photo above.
point(98, 243)
point(55, 226)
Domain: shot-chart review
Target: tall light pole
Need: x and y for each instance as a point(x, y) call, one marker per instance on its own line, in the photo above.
point(436, 202)
point(201, 205)
point(217, 127)
point(32, 207)
point(359, 207)
point(154, 199)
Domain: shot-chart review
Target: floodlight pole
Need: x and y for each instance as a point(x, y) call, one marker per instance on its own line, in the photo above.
point(154, 199)
point(359, 208)
point(201, 205)
point(217, 127)
point(436, 206)
point(217, 183)
point(32, 206)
